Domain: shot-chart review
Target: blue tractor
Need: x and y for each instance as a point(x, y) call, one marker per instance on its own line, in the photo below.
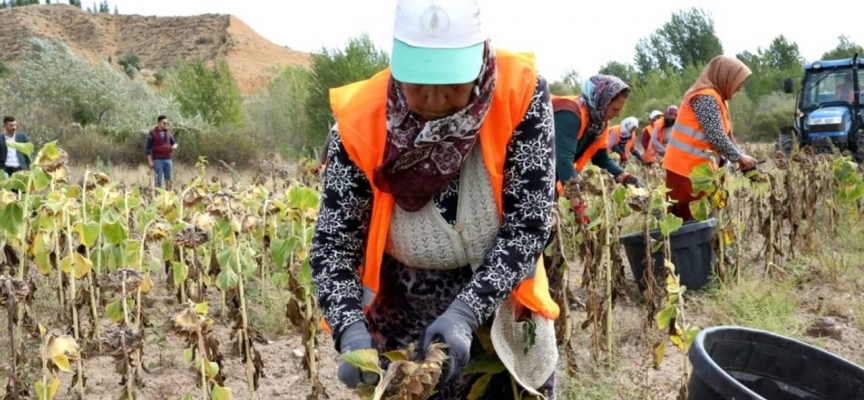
point(828, 111)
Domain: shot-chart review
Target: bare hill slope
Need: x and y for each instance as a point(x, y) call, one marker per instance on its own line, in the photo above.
point(157, 41)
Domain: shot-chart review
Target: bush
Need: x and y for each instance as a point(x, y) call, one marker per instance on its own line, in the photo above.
point(210, 93)
point(773, 111)
point(91, 146)
point(333, 68)
point(280, 113)
point(130, 63)
point(241, 148)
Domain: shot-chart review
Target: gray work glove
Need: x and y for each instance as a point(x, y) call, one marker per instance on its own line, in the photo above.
point(355, 337)
point(455, 328)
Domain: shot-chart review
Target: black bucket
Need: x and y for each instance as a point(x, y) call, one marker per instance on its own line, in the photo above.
point(692, 254)
point(731, 362)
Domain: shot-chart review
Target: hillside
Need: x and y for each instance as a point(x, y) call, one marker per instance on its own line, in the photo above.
point(157, 41)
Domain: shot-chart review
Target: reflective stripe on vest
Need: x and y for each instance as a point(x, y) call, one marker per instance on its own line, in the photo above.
point(360, 110)
point(688, 145)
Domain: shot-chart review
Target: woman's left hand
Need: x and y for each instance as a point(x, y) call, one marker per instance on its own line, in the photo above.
point(630, 180)
point(454, 328)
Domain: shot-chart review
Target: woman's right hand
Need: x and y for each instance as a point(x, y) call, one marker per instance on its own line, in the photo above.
point(355, 337)
point(746, 162)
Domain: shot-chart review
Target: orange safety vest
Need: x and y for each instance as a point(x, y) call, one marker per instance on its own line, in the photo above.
point(646, 133)
point(658, 131)
point(571, 104)
point(360, 110)
point(628, 148)
point(687, 142)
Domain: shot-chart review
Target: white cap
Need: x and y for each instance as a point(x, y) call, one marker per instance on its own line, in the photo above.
point(437, 41)
point(655, 114)
point(627, 125)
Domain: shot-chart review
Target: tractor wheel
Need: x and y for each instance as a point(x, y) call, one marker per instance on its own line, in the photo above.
point(786, 141)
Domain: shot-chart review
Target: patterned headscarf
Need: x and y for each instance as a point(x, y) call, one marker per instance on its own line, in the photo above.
point(598, 92)
point(422, 157)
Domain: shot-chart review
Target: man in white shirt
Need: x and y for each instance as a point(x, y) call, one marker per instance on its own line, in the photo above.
point(13, 161)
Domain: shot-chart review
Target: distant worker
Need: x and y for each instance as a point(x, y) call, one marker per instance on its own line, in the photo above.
point(160, 145)
point(661, 128)
point(581, 134)
point(704, 124)
point(646, 131)
point(846, 90)
point(622, 140)
point(14, 161)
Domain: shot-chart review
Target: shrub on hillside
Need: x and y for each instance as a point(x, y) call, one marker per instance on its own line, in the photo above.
point(210, 93)
point(52, 88)
point(130, 63)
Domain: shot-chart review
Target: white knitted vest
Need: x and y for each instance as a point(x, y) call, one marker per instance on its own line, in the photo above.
point(423, 239)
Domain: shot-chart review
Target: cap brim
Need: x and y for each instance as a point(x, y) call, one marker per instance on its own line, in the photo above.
point(439, 66)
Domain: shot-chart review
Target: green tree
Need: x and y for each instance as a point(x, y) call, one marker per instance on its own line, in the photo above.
point(569, 85)
point(625, 72)
point(688, 39)
point(770, 66)
point(846, 48)
point(331, 68)
point(783, 55)
point(210, 92)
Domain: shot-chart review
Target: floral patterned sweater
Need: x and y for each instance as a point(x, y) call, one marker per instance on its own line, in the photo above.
point(346, 205)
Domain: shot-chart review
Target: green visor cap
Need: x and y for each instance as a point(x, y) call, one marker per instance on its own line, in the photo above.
point(435, 66)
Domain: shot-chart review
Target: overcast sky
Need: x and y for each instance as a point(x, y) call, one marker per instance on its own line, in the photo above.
point(564, 34)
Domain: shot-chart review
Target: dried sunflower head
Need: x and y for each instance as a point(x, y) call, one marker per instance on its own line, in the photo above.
point(59, 349)
point(193, 197)
point(123, 341)
point(14, 287)
point(250, 222)
point(116, 280)
point(192, 236)
point(158, 232)
point(51, 164)
point(637, 199)
point(415, 380)
point(190, 320)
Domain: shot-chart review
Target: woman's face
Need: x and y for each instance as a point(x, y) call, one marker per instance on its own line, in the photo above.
point(615, 107)
point(437, 101)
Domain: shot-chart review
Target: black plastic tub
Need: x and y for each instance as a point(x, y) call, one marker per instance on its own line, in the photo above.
point(731, 362)
point(692, 254)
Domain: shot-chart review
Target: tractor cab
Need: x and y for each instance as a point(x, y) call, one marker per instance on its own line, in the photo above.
point(828, 110)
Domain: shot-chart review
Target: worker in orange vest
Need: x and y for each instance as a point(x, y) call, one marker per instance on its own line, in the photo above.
point(581, 135)
point(660, 130)
point(646, 136)
point(437, 201)
point(704, 124)
point(622, 140)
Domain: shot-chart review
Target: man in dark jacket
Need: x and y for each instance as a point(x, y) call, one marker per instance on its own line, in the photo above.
point(160, 145)
point(14, 160)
